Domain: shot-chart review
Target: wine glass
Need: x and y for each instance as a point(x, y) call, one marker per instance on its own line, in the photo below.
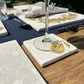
point(3, 10)
point(45, 42)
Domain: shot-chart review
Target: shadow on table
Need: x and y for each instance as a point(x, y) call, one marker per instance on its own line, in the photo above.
point(77, 41)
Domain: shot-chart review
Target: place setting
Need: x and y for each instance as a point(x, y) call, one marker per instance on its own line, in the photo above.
point(48, 48)
point(51, 46)
point(34, 13)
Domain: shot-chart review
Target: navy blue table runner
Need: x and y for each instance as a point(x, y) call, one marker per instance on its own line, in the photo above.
point(20, 34)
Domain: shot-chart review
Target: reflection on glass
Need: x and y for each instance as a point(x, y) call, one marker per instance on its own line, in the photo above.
point(3, 10)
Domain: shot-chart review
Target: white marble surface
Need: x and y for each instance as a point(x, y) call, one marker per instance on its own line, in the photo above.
point(40, 26)
point(3, 32)
point(45, 58)
point(15, 67)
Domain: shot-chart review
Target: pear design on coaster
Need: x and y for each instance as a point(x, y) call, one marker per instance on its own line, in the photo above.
point(67, 44)
point(59, 50)
point(1, 28)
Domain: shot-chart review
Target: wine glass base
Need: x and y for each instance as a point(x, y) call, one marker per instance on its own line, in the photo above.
point(45, 45)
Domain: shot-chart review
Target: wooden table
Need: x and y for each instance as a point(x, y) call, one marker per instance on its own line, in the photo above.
point(69, 70)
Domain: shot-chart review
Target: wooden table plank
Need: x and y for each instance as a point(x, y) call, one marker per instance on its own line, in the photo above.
point(63, 68)
point(75, 77)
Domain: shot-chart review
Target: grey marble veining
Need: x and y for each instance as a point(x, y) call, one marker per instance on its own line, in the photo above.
point(15, 67)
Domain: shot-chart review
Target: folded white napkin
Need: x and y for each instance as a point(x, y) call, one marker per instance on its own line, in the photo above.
point(34, 11)
point(38, 9)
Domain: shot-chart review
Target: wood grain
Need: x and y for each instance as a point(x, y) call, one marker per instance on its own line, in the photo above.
point(69, 70)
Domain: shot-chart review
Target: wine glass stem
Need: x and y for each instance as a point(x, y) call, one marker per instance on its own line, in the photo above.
point(46, 21)
point(46, 39)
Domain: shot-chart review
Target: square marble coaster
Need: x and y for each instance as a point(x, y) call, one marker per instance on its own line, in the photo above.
point(15, 66)
point(44, 58)
point(3, 31)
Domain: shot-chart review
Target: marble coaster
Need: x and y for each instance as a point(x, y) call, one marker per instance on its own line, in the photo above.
point(3, 31)
point(44, 58)
point(15, 66)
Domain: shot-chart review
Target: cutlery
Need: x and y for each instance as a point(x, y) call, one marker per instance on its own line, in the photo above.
point(22, 25)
